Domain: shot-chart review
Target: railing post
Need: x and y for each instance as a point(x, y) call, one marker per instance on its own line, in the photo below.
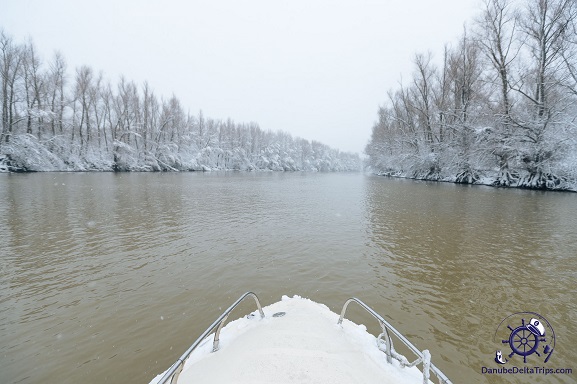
point(217, 334)
point(344, 310)
point(426, 366)
point(388, 342)
point(173, 372)
point(216, 341)
point(174, 378)
point(422, 357)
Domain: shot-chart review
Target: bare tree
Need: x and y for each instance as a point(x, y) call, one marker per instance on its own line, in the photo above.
point(442, 98)
point(109, 118)
point(465, 73)
point(498, 25)
point(10, 64)
point(149, 110)
point(84, 78)
point(95, 93)
point(33, 88)
point(422, 95)
point(497, 37)
point(569, 55)
point(56, 82)
point(546, 24)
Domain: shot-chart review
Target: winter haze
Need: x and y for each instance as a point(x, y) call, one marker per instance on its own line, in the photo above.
point(317, 70)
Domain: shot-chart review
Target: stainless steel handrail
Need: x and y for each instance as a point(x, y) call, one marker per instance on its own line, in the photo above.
point(386, 327)
point(174, 371)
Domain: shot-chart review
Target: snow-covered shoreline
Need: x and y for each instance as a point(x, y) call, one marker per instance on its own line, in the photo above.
point(489, 179)
point(25, 153)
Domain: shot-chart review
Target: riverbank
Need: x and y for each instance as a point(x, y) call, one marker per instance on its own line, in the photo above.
point(26, 153)
point(517, 180)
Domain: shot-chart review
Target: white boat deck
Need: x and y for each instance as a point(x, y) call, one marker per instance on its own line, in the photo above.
point(304, 346)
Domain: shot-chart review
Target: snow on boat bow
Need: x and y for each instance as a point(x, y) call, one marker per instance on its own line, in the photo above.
point(297, 340)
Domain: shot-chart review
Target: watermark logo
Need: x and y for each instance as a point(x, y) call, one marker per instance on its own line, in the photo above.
point(524, 335)
point(526, 341)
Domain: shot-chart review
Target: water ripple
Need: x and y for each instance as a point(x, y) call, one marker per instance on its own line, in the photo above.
point(119, 272)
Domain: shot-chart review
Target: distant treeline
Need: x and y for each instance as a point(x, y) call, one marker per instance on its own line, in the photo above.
point(501, 107)
point(54, 121)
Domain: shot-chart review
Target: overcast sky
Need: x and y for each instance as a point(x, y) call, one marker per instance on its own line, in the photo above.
point(317, 69)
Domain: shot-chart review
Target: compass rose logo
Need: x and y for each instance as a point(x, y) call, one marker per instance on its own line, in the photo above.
point(526, 334)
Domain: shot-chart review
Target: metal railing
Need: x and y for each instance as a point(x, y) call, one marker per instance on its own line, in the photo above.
point(422, 357)
point(172, 374)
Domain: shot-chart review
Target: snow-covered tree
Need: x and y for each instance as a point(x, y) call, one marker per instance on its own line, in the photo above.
point(501, 108)
point(54, 122)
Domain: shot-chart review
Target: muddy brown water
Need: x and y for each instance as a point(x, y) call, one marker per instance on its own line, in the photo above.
point(110, 277)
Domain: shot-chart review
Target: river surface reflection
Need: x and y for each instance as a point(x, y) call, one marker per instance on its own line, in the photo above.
point(110, 277)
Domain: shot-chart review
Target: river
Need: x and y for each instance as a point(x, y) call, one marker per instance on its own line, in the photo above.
point(110, 277)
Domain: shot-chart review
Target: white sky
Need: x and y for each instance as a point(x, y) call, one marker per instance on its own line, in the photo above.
point(318, 69)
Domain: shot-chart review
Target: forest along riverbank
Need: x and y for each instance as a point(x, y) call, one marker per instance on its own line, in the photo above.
point(256, 150)
point(500, 109)
point(50, 123)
